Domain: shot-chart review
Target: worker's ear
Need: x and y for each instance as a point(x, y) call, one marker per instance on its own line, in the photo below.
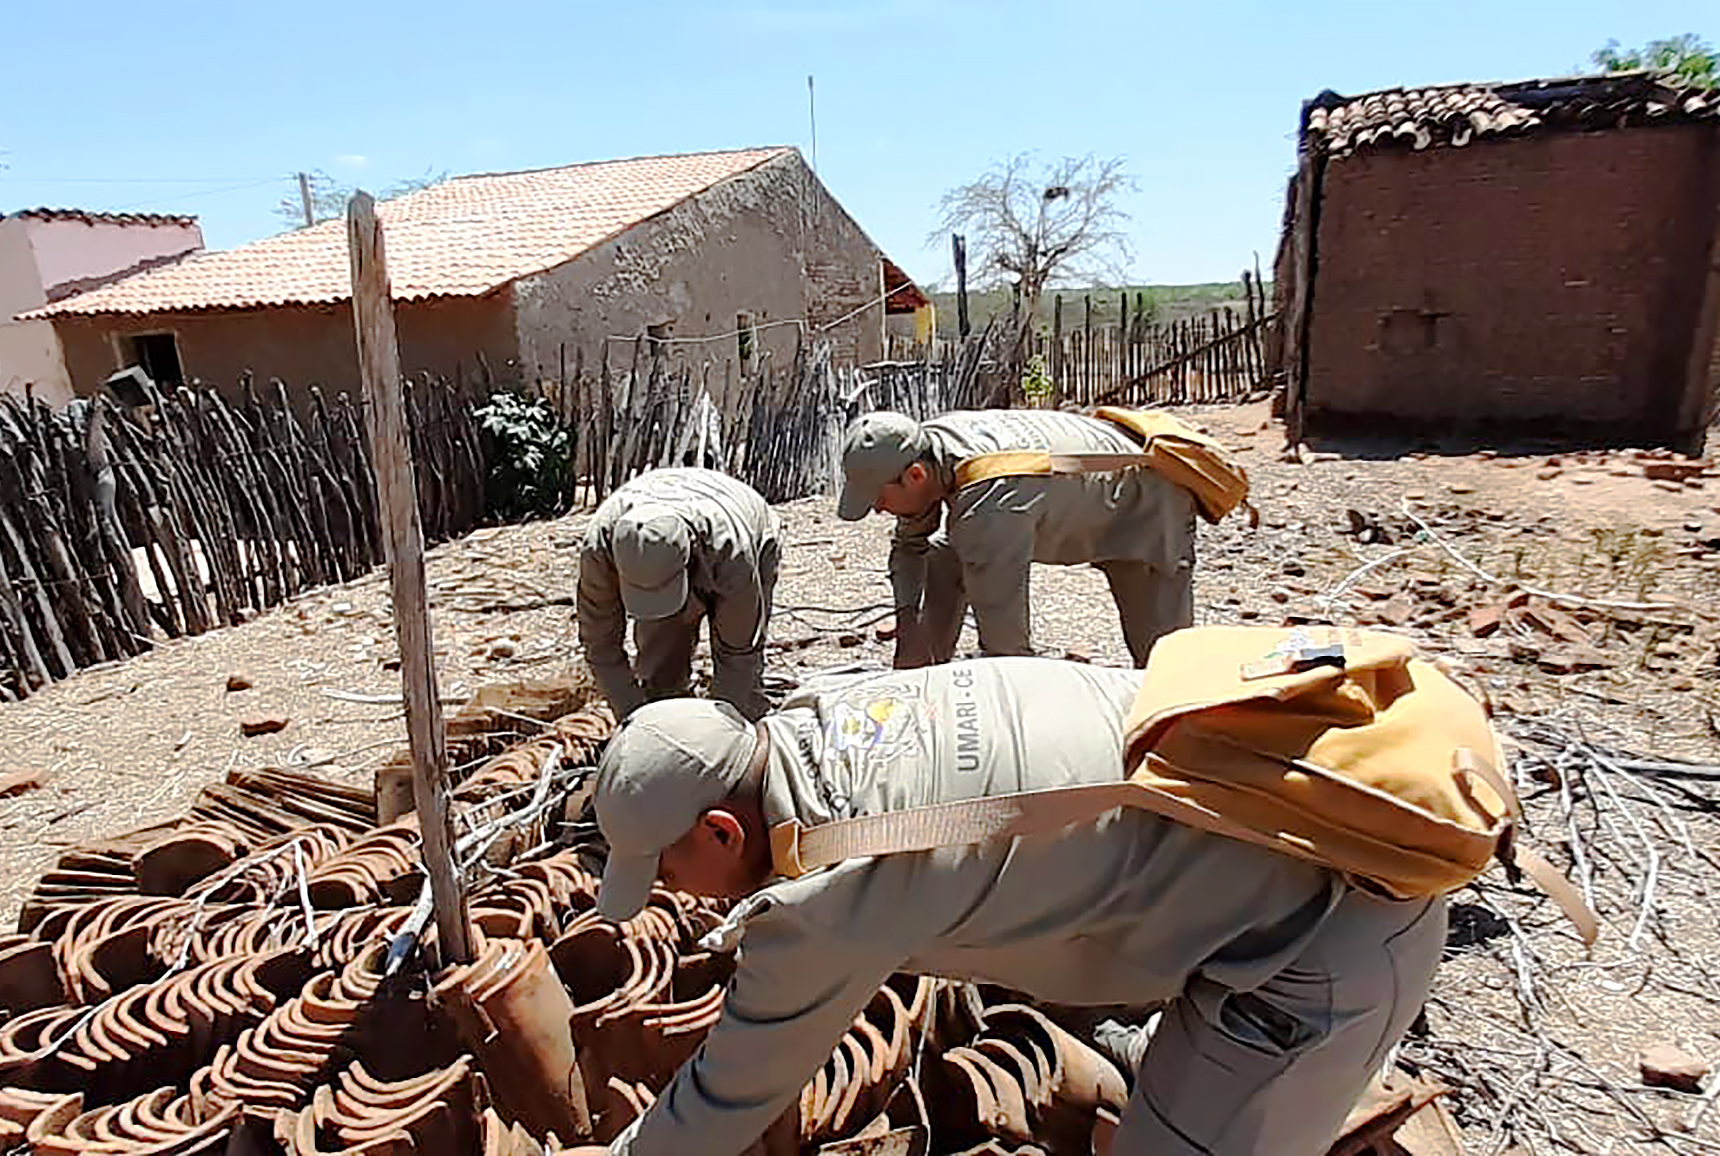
point(725, 829)
point(915, 475)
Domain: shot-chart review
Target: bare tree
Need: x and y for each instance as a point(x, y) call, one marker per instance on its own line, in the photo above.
point(1034, 225)
point(329, 198)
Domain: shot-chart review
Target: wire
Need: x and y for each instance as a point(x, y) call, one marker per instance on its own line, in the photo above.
point(713, 337)
point(800, 321)
point(863, 308)
point(203, 193)
point(135, 180)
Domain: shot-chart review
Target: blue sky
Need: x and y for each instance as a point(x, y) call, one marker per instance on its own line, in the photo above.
point(207, 107)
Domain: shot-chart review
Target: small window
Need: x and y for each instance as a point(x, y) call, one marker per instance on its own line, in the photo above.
point(157, 354)
point(746, 338)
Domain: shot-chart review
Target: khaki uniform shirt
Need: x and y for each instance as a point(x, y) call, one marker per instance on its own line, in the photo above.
point(734, 536)
point(998, 527)
point(1129, 909)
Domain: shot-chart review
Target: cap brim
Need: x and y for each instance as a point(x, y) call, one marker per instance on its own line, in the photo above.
point(663, 601)
point(626, 886)
point(855, 502)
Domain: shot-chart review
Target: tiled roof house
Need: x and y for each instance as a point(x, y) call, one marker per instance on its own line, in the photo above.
point(47, 255)
point(505, 275)
point(1543, 255)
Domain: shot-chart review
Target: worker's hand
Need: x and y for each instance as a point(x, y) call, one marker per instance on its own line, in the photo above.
point(583, 1150)
point(912, 648)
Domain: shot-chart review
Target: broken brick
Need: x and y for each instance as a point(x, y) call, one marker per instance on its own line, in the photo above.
point(1556, 622)
point(17, 782)
point(1664, 471)
point(268, 725)
point(1666, 1065)
point(1570, 660)
point(1484, 620)
point(1397, 610)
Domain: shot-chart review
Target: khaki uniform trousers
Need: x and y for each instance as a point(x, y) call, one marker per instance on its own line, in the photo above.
point(1151, 602)
point(1276, 1070)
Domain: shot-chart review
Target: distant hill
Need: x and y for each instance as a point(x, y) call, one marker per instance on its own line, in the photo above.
point(1164, 303)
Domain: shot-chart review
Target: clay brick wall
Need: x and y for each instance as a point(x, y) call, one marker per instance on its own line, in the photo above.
point(1553, 280)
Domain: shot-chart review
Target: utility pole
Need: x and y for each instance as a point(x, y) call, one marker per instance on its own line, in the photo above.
point(305, 198)
point(812, 114)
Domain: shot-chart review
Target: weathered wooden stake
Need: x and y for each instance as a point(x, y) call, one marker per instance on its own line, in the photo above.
point(385, 417)
point(958, 245)
point(1057, 351)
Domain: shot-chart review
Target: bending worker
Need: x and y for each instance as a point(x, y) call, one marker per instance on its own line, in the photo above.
point(1285, 986)
point(671, 548)
point(1132, 524)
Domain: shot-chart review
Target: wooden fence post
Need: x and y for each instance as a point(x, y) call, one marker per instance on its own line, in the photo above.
point(385, 415)
point(1299, 296)
point(1123, 338)
point(1057, 351)
point(958, 245)
point(1087, 348)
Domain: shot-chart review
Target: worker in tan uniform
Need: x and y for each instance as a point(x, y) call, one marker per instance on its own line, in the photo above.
point(1282, 986)
point(959, 545)
point(670, 549)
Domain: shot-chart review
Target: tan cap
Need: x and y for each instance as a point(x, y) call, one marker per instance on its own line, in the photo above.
point(652, 552)
point(672, 761)
point(875, 451)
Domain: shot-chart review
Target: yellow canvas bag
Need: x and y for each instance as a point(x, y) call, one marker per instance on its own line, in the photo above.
point(1174, 449)
point(1341, 747)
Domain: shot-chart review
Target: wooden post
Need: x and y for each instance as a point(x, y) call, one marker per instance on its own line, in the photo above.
point(1057, 350)
point(1702, 368)
point(1087, 346)
point(958, 244)
point(1299, 298)
point(305, 200)
point(385, 415)
point(1123, 338)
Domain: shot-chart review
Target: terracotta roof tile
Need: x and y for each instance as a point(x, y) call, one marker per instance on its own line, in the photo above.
point(1455, 115)
point(94, 218)
point(459, 238)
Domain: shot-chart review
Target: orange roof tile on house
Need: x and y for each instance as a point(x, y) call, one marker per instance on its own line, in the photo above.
point(459, 238)
point(93, 217)
point(1455, 115)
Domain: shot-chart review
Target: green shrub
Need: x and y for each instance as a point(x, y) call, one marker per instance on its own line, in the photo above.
point(1036, 381)
point(530, 453)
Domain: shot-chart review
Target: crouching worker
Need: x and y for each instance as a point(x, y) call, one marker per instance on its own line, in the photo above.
point(980, 495)
point(670, 549)
point(1285, 986)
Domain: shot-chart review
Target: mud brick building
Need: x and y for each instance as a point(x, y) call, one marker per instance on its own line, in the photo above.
point(507, 277)
point(1534, 257)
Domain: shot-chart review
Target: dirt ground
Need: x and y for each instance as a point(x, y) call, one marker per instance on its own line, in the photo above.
point(1540, 1038)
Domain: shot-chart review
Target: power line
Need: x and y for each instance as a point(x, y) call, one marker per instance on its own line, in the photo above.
point(801, 322)
point(131, 180)
point(202, 193)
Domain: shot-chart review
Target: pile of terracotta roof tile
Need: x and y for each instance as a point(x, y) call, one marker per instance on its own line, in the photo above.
point(226, 984)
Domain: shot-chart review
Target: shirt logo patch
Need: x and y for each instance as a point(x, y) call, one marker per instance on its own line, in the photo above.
point(877, 727)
